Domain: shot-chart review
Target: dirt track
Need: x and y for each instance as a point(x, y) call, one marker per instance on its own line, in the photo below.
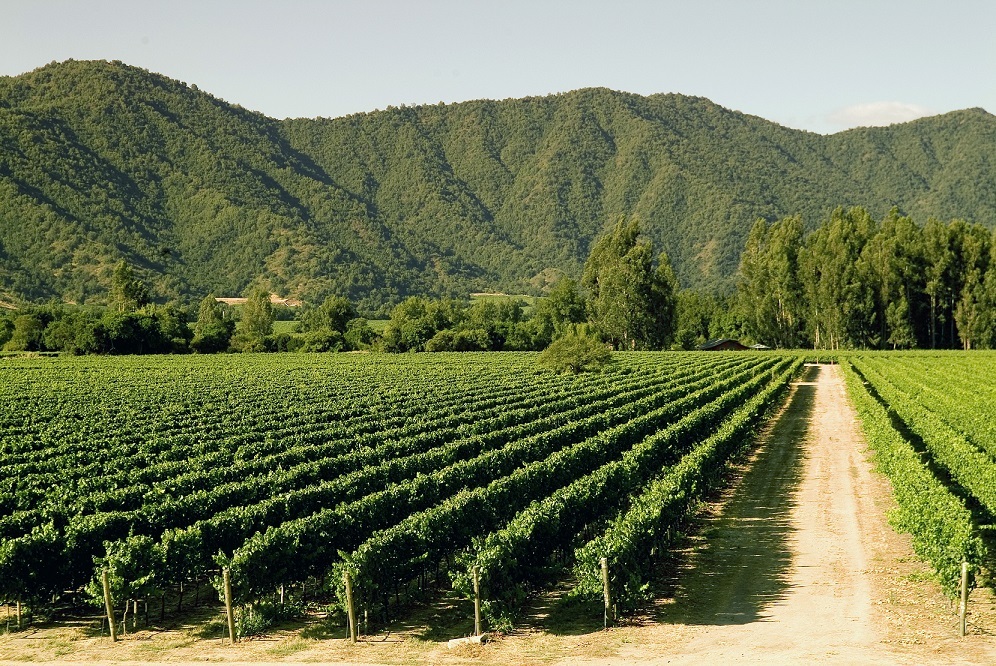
point(800, 565)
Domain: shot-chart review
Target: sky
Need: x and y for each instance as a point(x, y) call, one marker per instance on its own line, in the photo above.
point(822, 66)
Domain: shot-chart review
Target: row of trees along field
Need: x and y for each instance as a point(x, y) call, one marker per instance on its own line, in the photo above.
point(856, 282)
point(853, 282)
point(625, 298)
point(132, 324)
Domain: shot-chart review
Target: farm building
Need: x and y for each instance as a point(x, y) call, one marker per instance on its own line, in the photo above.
point(723, 344)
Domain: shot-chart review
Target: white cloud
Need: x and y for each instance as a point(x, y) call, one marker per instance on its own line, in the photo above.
point(877, 114)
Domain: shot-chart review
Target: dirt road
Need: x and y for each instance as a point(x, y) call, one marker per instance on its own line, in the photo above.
point(800, 564)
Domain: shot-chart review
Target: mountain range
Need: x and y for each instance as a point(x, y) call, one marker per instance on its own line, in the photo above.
point(102, 162)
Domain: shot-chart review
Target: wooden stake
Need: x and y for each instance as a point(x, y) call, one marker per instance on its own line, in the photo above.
point(963, 610)
point(606, 620)
point(228, 604)
point(477, 600)
point(108, 604)
point(350, 612)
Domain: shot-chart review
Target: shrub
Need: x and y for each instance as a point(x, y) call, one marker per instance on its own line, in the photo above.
point(575, 352)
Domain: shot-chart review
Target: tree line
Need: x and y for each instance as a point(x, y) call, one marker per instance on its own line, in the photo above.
point(625, 299)
point(132, 324)
point(859, 283)
point(852, 283)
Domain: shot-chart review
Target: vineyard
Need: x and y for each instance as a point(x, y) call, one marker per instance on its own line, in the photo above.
point(928, 419)
point(404, 472)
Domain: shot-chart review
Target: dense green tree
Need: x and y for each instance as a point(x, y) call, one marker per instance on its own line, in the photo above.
point(359, 334)
point(27, 334)
point(214, 327)
point(255, 323)
point(939, 264)
point(893, 257)
point(632, 302)
point(575, 352)
point(6, 329)
point(840, 297)
point(333, 314)
point(971, 314)
point(900, 328)
point(172, 322)
point(769, 290)
point(133, 333)
point(497, 320)
point(988, 302)
point(889, 284)
point(562, 308)
point(128, 293)
point(701, 317)
point(322, 340)
point(416, 320)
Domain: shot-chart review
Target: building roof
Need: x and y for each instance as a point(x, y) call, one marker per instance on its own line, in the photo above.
point(722, 343)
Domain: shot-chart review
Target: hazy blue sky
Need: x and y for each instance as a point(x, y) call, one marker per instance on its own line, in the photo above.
point(822, 66)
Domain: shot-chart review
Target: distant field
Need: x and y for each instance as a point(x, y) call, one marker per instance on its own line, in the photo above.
point(528, 302)
point(284, 326)
point(378, 325)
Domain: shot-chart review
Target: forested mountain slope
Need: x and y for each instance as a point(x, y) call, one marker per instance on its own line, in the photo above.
point(100, 161)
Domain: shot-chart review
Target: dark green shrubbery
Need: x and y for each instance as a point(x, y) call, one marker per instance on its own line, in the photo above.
point(576, 352)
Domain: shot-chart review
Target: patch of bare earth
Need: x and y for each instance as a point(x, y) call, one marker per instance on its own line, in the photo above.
point(795, 564)
point(801, 566)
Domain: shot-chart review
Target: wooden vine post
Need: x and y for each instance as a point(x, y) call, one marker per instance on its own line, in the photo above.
point(350, 609)
point(109, 605)
point(477, 600)
point(228, 604)
point(963, 608)
point(607, 618)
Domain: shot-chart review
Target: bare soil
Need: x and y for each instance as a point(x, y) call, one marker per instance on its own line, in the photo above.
point(795, 564)
point(801, 566)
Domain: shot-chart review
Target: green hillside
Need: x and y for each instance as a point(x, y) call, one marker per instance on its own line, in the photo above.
point(100, 161)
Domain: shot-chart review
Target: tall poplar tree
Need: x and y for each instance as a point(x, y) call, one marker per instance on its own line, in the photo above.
point(213, 329)
point(256, 323)
point(768, 289)
point(839, 296)
point(894, 258)
point(631, 297)
point(970, 313)
point(939, 260)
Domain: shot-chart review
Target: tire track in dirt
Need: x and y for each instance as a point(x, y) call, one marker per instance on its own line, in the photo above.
point(783, 576)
